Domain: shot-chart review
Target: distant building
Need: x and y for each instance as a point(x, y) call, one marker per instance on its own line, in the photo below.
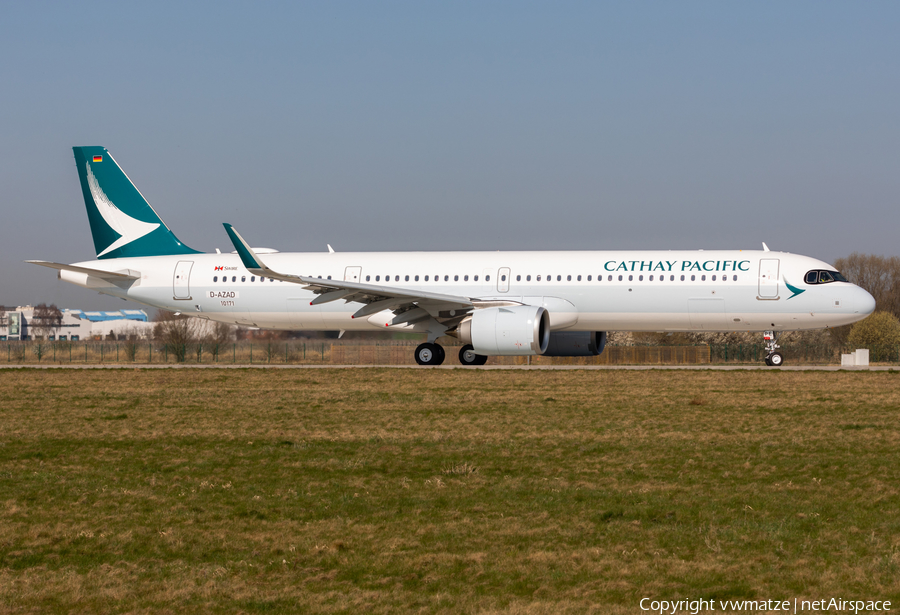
point(20, 324)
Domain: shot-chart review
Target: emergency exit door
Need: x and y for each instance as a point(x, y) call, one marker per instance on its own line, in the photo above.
point(503, 280)
point(351, 274)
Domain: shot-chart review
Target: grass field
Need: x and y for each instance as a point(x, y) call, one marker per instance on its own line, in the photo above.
point(384, 490)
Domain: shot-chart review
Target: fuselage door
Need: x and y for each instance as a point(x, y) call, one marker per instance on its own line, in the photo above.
point(768, 278)
point(352, 274)
point(503, 280)
point(181, 282)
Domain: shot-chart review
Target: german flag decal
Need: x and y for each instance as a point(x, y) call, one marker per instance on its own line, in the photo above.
point(98, 158)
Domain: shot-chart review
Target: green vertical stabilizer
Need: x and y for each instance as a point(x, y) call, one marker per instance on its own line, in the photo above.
point(122, 222)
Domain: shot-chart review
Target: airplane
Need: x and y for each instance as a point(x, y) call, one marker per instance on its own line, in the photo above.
point(550, 303)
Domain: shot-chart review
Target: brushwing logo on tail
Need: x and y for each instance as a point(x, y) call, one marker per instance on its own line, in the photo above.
point(127, 227)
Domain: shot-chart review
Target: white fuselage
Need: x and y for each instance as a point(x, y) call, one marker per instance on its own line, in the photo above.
point(582, 291)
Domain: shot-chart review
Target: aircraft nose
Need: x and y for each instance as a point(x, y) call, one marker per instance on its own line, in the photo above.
point(863, 302)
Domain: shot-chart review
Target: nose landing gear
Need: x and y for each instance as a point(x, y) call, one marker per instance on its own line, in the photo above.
point(773, 358)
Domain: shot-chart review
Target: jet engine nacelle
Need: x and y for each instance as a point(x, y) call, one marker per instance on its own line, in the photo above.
point(513, 330)
point(576, 343)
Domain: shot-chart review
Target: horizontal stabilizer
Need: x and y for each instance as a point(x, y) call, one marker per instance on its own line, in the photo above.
point(126, 274)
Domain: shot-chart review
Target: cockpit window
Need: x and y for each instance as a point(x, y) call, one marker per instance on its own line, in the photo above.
point(823, 277)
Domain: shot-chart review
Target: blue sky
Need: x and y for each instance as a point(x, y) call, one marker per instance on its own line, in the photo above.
point(483, 125)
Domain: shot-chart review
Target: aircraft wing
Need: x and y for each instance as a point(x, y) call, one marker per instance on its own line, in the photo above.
point(442, 307)
point(127, 274)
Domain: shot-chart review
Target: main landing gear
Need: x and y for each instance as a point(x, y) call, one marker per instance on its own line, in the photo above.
point(467, 356)
point(773, 358)
point(433, 354)
point(429, 354)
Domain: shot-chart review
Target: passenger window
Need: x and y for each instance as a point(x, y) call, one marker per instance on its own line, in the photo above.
point(456, 278)
point(539, 278)
point(589, 278)
point(640, 278)
point(252, 278)
point(734, 278)
point(682, 278)
point(527, 278)
point(559, 278)
point(426, 278)
point(714, 278)
point(672, 278)
point(568, 278)
point(702, 278)
point(465, 278)
point(329, 277)
point(630, 278)
point(243, 278)
point(651, 278)
point(812, 277)
point(503, 278)
point(693, 278)
point(620, 278)
point(417, 278)
point(377, 278)
point(367, 278)
point(518, 278)
point(578, 278)
point(406, 279)
point(475, 279)
point(487, 278)
point(609, 279)
point(215, 278)
point(446, 278)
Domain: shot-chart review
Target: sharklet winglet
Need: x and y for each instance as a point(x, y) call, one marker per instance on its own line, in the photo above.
point(248, 256)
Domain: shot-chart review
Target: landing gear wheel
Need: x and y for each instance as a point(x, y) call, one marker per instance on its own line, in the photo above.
point(467, 356)
point(773, 358)
point(429, 354)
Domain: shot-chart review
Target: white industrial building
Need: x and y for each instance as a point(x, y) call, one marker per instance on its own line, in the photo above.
point(20, 324)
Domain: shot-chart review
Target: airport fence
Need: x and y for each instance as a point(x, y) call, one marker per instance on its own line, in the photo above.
point(308, 352)
point(395, 352)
